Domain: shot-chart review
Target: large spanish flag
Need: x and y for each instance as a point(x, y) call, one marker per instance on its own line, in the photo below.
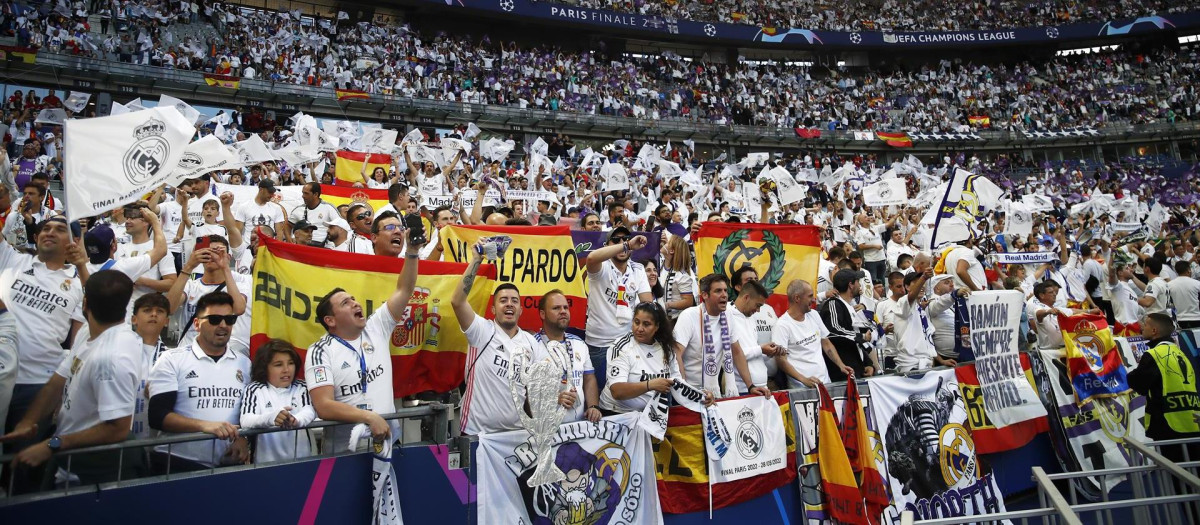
point(988, 438)
point(1093, 360)
point(856, 437)
point(349, 165)
point(781, 254)
point(351, 94)
point(540, 259)
point(896, 140)
point(683, 465)
point(428, 348)
point(24, 54)
point(225, 81)
point(339, 195)
point(845, 503)
point(982, 121)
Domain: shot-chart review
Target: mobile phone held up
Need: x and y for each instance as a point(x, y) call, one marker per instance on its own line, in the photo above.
point(416, 229)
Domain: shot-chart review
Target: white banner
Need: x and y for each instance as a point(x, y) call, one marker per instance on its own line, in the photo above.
point(929, 452)
point(887, 192)
point(758, 446)
point(609, 467)
point(77, 101)
point(253, 151)
point(200, 157)
point(995, 328)
point(379, 140)
point(789, 190)
point(110, 161)
point(1025, 257)
point(1126, 226)
point(615, 177)
point(1019, 219)
point(432, 202)
point(1038, 203)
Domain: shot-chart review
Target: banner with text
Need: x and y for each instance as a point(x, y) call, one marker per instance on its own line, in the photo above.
point(995, 328)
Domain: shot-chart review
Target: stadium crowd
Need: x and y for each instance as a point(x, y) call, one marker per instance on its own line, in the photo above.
point(89, 302)
point(1092, 90)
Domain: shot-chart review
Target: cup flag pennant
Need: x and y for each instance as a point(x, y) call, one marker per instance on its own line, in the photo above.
point(114, 160)
point(51, 116)
point(186, 110)
point(77, 101)
point(200, 157)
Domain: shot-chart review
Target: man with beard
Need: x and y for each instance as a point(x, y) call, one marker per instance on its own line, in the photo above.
point(706, 345)
point(497, 350)
point(615, 286)
point(568, 351)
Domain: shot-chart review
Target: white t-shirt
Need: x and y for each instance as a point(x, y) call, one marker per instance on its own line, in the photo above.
point(366, 360)
point(319, 217)
point(1123, 296)
point(825, 270)
point(1049, 335)
point(611, 298)
point(252, 214)
point(487, 404)
point(743, 331)
point(870, 235)
point(974, 268)
point(206, 390)
point(239, 340)
point(196, 208)
point(687, 334)
point(580, 362)
point(632, 362)
point(43, 302)
point(103, 376)
point(801, 339)
point(356, 244)
point(171, 216)
point(141, 416)
point(1185, 295)
point(1093, 268)
point(165, 266)
point(1158, 289)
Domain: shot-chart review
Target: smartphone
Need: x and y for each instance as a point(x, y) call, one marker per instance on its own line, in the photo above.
point(203, 242)
point(416, 229)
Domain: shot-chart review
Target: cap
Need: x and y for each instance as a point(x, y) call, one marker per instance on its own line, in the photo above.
point(267, 184)
point(939, 278)
point(304, 225)
point(619, 230)
point(843, 278)
point(48, 136)
point(98, 243)
point(339, 222)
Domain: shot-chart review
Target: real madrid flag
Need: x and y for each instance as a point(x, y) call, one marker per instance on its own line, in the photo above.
point(759, 445)
point(114, 160)
point(1092, 357)
point(886, 192)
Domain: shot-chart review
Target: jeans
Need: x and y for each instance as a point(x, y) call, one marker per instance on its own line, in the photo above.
point(599, 355)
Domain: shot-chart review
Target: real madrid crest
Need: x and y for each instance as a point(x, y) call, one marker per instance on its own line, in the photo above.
point(733, 253)
point(749, 438)
point(146, 156)
point(66, 285)
point(368, 348)
point(241, 378)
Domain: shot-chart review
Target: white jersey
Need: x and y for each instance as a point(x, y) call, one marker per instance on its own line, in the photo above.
point(359, 370)
point(165, 266)
point(487, 404)
point(611, 298)
point(204, 389)
point(743, 332)
point(171, 216)
point(633, 362)
point(1123, 297)
point(576, 362)
point(356, 244)
point(103, 375)
point(239, 340)
point(261, 403)
point(43, 302)
point(141, 415)
point(1185, 297)
point(252, 215)
point(801, 339)
point(1157, 288)
point(196, 207)
point(687, 334)
point(319, 217)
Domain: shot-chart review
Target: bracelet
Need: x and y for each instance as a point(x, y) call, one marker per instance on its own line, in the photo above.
point(626, 244)
point(647, 385)
point(412, 256)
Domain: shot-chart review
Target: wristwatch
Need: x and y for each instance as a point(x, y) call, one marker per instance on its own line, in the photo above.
point(597, 407)
point(54, 443)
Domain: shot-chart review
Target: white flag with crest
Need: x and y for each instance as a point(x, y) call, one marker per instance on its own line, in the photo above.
point(253, 151)
point(186, 110)
point(615, 177)
point(887, 192)
point(77, 101)
point(200, 157)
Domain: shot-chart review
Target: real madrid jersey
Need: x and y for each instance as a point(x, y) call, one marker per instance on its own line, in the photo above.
point(359, 370)
point(204, 389)
point(487, 404)
point(612, 294)
point(43, 302)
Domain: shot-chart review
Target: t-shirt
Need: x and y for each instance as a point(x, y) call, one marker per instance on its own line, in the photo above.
point(252, 214)
point(360, 371)
point(487, 404)
point(1157, 288)
point(196, 208)
point(196, 288)
point(1093, 268)
point(165, 266)
point(870, 235)
point(43, 303)
point(149, 356)
point(204, 389)
point(611, 298)
point(632, 362)
point(575, 354)
point(974, 268)
point(356, 244)
point(319, 216)
point(801, 339)
point(1123, 296)
point(1049, 335)
point(1185, 296)
point(687, 334)
point(743, 331)
point(676, 286)
point(171, 215)
point(103, 376)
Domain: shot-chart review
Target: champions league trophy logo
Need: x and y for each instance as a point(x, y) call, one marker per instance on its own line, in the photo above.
point(542, 381)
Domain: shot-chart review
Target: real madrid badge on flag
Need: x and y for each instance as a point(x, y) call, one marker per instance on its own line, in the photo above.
point(110, 161)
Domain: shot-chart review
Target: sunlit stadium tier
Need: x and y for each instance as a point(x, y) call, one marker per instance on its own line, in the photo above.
point(851, 23)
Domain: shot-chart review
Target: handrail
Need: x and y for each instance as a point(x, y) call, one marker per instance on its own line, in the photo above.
point(430, 409)
point(1172, 467)
point(1047, 490)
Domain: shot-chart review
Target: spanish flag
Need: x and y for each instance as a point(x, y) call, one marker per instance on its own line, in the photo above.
point(224, 81)
point(539, 259)
point(980, 120)
point(781, 254)
point(837, 476)
point(1093, 360)
point(351, 94)
point(349, 166)
point(428, 349)
point(339, 195)
point(897, 139)
point(27, 55)
point(855, 435)
point(683, 465)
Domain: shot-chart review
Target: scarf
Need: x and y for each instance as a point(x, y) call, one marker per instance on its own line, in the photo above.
point(718, 379)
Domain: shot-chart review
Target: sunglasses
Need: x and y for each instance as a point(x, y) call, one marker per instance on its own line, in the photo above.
point(215, 320)
point(618, 240)
point(363, 215)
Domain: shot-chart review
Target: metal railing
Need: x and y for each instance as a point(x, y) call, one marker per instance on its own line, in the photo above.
point(439, 415)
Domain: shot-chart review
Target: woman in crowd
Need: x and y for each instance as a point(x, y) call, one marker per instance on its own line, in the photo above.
point(678, 281)
point(641, 363)
point(656, 288)
point(275, 398)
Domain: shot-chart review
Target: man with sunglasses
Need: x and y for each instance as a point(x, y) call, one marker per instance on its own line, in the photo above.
point(359, 216)
point(218, 276)
point(198, 388)
point(615, 287)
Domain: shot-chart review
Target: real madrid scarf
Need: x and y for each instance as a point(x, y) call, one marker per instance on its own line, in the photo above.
point(1025, 257)
point(717, 379)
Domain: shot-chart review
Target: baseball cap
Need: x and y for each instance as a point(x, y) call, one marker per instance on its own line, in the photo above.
point(98, 243)
point(339, 222)
point(267, 184)
point(304, 225)
point(843, 278)
point(618, 231)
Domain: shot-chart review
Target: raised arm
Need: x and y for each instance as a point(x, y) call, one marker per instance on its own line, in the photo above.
point(462, 309)
point(598, 256)
point(235, 233)
point(407, 281)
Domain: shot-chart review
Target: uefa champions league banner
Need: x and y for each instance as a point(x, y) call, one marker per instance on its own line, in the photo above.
point(931, 463)
point(655, 26)
point(609, 476)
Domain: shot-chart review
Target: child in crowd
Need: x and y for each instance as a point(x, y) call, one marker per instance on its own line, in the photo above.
point(275, 398)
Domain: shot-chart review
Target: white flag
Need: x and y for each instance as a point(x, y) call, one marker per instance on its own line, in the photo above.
point(118, 109)
point(200, 157)
point(887, 192)
point(136, 105)
point(615, 177)
point(114, 160)
point(51, 116)
point(186, 110)
point(77, 101)
point(472, 131)
point(539, 146)
point(253, 151)
point(495, 149)
point(413, 137)
point(789, 190)
point(379, 140)
point(456, 145)
point(758, 437)
point(1019, 219)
